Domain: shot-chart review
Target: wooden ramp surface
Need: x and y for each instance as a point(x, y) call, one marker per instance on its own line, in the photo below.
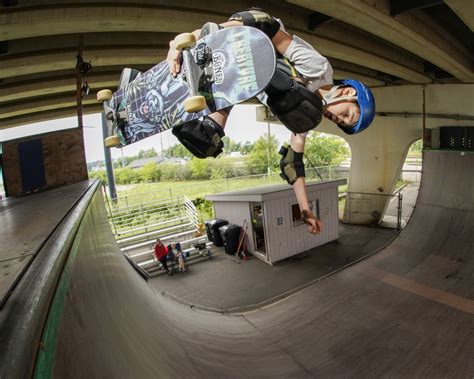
point(407, 311)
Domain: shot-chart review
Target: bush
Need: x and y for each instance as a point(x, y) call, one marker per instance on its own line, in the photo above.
point(150, 172)
point(205, 208)
point(127, 176)
point(173, 171)
point(100, 174)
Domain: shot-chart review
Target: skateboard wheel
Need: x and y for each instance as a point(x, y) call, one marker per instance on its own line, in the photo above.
point(194, 104)
point(104, 95)
point(184, 40)
point(112, 141)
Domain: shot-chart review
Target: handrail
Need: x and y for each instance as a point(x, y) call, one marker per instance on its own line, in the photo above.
point(153, 202)
point(191, 212)
point(23, 316)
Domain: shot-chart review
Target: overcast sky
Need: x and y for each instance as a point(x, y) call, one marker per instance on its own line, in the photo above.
point(241, 127)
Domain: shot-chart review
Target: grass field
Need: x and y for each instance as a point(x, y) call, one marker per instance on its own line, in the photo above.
point(146, 192)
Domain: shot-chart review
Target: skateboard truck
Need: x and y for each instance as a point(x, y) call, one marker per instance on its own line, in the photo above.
point(195, 102)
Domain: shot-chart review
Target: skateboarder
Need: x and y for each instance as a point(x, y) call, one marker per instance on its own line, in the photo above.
point(299, 98)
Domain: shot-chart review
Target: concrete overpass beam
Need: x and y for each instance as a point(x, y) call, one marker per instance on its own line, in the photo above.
point(56, 61)
point(464, 10)
point(413, 32)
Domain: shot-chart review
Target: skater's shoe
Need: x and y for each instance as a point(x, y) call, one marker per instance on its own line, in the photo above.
point(208, 28)
point(202, 52)
point(128, 75)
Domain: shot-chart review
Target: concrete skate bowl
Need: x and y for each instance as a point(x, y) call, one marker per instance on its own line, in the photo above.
point(406, 311)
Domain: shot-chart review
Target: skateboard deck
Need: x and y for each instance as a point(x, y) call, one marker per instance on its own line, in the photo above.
point(241, 62)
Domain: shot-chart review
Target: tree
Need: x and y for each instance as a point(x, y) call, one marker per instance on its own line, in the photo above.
point(127, 176)
point(217, 173)
point(178, 151)
point(147, 153)
point(326, 150)
point(200, 168)
point(174, 171)
point(264, 155)
point(416, 147)
point(150, 172)
point(100, 174)
point(246, 148)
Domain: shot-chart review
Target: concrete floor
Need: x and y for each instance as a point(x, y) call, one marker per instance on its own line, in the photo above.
point(222, 285)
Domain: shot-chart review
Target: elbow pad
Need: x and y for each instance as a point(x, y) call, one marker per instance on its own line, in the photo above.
point(258, 19)
point(291, 164)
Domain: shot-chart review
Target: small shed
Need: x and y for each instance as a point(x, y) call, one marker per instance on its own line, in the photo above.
point(275, 229)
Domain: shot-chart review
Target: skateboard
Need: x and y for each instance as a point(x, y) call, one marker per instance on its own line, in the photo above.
point(220, 69)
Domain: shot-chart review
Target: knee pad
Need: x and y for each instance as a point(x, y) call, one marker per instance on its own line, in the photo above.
point(280, 83)
point(298, 109)
point(291, 164)
point(203, 138)
point(258, 19)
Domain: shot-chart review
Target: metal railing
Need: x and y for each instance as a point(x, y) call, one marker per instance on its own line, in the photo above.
point(359, 206)
point(144, 218)
point(191, 212)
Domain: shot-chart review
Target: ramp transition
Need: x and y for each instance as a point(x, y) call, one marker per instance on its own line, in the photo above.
point(406, 311)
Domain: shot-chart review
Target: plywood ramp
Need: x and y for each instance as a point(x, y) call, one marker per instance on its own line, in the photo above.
point(406, 312)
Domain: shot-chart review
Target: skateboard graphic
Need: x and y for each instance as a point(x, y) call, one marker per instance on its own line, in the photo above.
point(219, 70)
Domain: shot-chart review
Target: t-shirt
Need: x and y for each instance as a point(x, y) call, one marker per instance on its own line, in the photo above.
point(315, 69)
point(161, 251)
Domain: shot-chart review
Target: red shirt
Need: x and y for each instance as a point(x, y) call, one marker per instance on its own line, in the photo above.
point(161, 251)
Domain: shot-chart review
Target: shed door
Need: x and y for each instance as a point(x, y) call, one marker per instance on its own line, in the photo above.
point(258, 227)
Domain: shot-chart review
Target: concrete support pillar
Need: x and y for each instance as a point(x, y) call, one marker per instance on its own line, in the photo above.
point(378, 156)
point(379, 152)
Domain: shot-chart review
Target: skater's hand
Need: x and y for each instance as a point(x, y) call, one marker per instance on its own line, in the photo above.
point(174, 60)
point(314, 224)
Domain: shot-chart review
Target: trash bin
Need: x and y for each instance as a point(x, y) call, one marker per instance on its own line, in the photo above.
point(230, 235)
point(212, 231)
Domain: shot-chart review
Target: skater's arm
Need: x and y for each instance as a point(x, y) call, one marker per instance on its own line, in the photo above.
point(299, 187)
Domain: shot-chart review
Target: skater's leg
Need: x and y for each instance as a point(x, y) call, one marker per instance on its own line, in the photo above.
point(165, 264)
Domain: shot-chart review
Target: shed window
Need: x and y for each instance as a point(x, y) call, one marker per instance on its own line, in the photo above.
point(296, 213)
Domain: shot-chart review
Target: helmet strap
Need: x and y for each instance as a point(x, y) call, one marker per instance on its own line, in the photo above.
point(331, 97)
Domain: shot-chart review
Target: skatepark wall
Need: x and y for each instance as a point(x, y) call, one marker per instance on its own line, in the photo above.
point(43, 162)
point(24, 313)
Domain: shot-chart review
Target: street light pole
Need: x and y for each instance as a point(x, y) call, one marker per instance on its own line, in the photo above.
point(269, 135)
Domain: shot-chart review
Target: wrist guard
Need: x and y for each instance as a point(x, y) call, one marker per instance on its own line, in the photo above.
point(291, 164)
point(203, 138)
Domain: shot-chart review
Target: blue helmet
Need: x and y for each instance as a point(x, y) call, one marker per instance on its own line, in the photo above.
point(366, 101)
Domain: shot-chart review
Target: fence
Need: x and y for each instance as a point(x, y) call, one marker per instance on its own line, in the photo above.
point(359, 208)
point(222, 185)
point(145, 212)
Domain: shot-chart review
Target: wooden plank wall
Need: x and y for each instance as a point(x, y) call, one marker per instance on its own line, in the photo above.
point(286, 240)
point(64, 160)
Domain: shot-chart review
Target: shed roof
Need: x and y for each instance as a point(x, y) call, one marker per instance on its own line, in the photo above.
point(266, 192)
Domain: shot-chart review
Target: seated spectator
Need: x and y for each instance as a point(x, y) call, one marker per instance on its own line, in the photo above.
point(161, 252)
point(175, 249)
